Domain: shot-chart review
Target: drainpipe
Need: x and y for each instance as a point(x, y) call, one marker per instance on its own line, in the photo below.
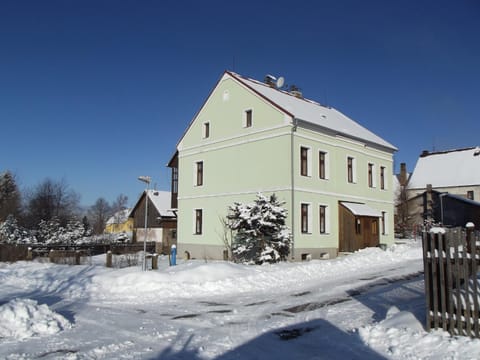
point(292, 174)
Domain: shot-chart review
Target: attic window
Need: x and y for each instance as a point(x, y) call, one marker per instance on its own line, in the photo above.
point(247, 120)
point(206, 130)
point(477, 152)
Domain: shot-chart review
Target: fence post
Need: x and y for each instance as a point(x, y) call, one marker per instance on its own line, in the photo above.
point(51, 256)
point(29, 253)
point(109, 259)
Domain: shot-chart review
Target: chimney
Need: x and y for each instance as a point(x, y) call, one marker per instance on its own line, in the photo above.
point(270, 80)
point(403, 174)
point(429, 202)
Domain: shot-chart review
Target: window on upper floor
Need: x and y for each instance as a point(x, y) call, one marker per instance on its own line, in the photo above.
point(322, 165)
point(382, 177)
point(370, 174)
point(304, 161)
point(350, 169)
point(206, 130)
point(248, 118)
point(199, 173)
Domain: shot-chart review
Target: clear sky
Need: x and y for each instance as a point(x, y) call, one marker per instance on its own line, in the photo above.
point(99, 92)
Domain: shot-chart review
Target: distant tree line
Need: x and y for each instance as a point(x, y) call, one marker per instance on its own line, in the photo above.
point(50, 212)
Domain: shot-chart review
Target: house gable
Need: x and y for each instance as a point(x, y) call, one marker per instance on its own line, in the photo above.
point(225, 114)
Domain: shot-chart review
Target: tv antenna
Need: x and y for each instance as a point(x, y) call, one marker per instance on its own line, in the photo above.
point(280, 82)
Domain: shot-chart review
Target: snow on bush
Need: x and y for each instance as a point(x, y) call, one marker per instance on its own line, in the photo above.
point(261, 233)
point(12, 233)
point(24, 318)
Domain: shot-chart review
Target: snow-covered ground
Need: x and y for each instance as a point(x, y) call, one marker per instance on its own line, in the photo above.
point(368, 305)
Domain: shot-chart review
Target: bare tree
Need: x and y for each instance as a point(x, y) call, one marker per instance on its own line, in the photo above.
point(117, 208)
point(120, 203)
point(51, 199)
point(99, 214)
point(10, 203)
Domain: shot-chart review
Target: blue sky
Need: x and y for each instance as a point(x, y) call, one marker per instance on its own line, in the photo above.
point(99, 92)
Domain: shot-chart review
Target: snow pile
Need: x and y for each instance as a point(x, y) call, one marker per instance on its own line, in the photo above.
point(401, 335)
point(217, 278)
point(24, 318)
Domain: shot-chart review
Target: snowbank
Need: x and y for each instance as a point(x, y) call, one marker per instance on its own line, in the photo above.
point(24, 318)
point(401, 335)
point(217, 278)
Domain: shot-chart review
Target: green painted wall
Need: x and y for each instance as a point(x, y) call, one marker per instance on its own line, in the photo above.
point(240, 161)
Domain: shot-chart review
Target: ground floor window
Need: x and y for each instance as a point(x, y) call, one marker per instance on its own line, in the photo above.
point(305, 215)
point(323, 219)
point(198, 221)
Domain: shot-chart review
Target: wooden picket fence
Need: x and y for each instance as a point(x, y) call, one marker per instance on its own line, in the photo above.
point(451, 261)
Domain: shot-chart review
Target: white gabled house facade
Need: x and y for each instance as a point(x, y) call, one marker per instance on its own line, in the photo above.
point(334, 175)
point(454, 172)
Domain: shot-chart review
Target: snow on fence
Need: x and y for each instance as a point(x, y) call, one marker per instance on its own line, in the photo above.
point(451, 259)
point(70, 254)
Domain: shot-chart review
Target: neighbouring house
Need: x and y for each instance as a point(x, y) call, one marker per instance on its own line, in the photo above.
point(120, 222)
point(444, 187)
point(334, 175)
point(161, 220)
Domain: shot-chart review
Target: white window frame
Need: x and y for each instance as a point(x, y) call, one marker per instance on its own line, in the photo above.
point(354, 169)
point(385, 180)
point(327, 164)
point(327, 219)
point(384, 219)
point(195, 171)
point(309, 218)
point(194, 215)
point(374, 174)
point(309, 160)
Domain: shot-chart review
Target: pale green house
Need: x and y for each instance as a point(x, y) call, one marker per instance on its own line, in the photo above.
point(334, 175)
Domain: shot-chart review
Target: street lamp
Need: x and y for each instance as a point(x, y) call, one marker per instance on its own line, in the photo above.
point(146, 180)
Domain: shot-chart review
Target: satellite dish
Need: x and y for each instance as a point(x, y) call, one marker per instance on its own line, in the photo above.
point(280, 81)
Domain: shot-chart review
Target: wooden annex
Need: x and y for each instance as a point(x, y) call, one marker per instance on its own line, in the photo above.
point(358, 227)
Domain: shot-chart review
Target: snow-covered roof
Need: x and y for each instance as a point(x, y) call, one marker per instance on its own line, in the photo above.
point(314, 113)
point(161, 200)
point(119, 217)
point(446, 169)
point(361, 209)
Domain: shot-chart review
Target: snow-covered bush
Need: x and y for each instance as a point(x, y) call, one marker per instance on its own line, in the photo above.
point(51, 232)
point(12, 233)
point(261, 234)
